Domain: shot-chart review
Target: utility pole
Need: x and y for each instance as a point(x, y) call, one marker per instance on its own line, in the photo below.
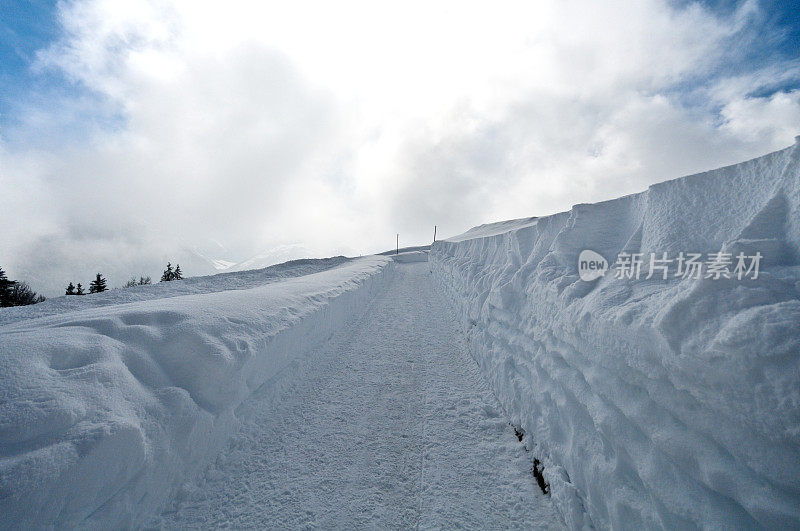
point(434, 233)
point(397, 251)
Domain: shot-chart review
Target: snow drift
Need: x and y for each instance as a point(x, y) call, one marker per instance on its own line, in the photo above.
point(104, 411)
point(162, 290)
point(653, 403)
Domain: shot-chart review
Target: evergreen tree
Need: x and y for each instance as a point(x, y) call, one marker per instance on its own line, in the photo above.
point(79, 290)
point(98, 285)
point(70, 289)
point(6, 286)
point(168, 274)
point(13, 293)
point(177, 275)
point(22, 295)
point(143, 281)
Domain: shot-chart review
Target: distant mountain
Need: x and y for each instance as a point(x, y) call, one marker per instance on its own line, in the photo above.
point(213, 255)
point(272, 256)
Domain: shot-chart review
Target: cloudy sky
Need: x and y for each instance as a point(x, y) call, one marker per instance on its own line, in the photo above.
point(135, 132)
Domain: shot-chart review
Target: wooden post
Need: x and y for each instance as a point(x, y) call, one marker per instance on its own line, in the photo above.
point(397, 251)
point(434, 233)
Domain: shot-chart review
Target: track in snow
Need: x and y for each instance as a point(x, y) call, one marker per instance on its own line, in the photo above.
point(389, 425)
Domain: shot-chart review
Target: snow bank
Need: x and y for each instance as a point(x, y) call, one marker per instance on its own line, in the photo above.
point(103, 412)
point(653, 403)
point(411, 257)
point(161, 290)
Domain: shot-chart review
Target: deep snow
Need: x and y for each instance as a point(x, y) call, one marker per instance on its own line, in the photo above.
point(388, 425)
point(344, 397)
point(653, 403)
point(161, 290)
point(105, 411)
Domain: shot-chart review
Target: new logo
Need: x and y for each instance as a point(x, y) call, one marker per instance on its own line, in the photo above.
point(591, 265)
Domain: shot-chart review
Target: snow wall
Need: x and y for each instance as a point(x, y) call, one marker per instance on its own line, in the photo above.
point(652, 403)
point(104, 412)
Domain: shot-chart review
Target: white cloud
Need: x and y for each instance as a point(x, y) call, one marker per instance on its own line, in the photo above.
point(337, 124)
point(774, 119)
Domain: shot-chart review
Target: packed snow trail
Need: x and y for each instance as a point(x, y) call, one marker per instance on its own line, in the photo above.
point(389, 425)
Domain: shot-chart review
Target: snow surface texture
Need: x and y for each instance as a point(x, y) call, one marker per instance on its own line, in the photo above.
point(389, 425)
point(652, 403)
point(161, 290)
point(104, 411)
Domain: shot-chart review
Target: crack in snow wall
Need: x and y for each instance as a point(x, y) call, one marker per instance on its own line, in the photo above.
point(653, 403)
point(104, 412)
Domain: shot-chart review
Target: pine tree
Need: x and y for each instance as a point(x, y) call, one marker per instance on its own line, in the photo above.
point(79, 290)
point(13, 293)
point(177, 275)
point(143, 281)
point(22, 295)
point(70, 289)
point(169, 274)
point(5, 289)
point(98, 285)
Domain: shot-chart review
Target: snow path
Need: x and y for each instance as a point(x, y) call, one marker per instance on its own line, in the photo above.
point(390, 425)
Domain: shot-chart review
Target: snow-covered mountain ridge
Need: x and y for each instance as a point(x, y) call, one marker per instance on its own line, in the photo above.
point(653, 403)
